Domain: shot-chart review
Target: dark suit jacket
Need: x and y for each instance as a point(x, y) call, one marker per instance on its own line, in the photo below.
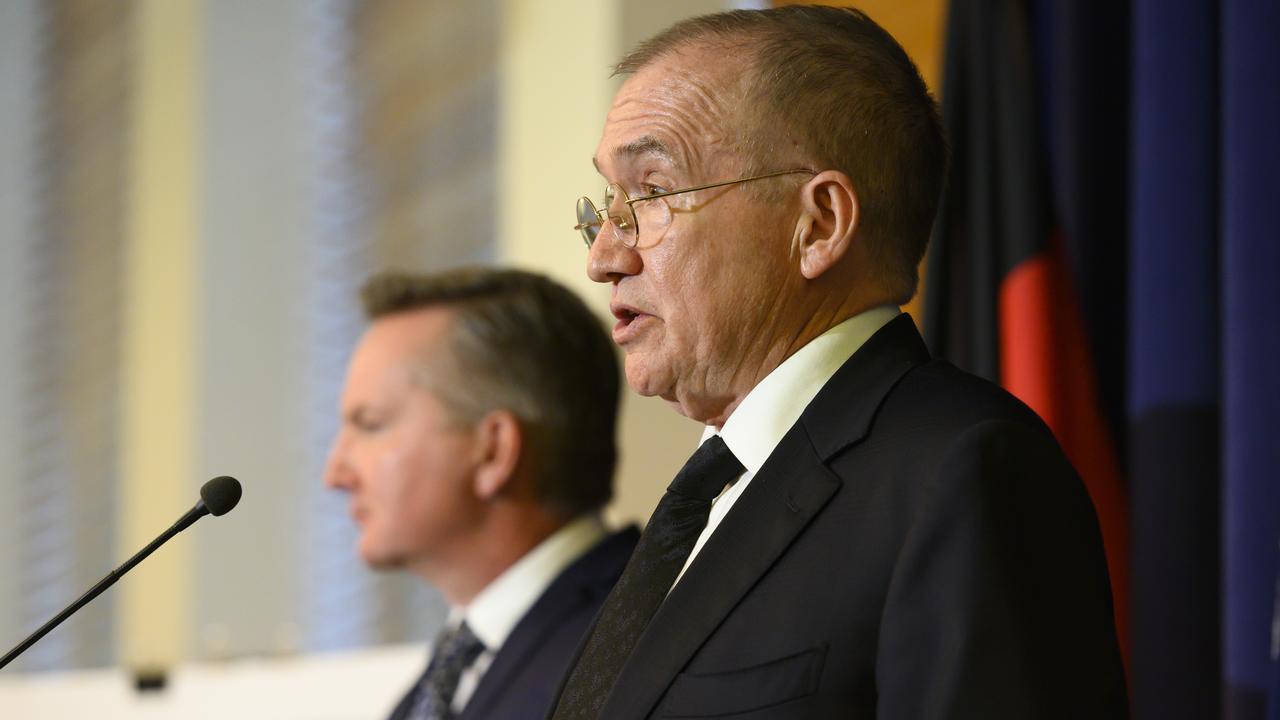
point(527, 669)
point(917, 546)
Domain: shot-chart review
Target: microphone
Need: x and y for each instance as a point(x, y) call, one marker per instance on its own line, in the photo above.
point(217, 497)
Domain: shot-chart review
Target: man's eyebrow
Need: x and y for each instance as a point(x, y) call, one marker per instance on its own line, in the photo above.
point(647, 145)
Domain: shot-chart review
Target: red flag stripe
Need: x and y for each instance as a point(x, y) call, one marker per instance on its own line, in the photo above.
point(1045, 362)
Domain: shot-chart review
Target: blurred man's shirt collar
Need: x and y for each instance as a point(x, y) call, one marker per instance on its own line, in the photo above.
point(494, 612)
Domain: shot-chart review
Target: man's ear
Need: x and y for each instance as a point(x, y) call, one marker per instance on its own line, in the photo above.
point(828, 222)
point(500, 442)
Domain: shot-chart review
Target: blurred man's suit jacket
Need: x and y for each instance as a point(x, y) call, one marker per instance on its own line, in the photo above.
point(528, 668)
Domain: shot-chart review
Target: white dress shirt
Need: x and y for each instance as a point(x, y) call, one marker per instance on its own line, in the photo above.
point(770, 409)
point(494, 613)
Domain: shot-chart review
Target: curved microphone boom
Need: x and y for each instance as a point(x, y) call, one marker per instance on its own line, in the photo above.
point(217, 497)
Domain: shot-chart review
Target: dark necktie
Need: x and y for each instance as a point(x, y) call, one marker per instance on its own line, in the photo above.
point(453, 652)
point(662, 551)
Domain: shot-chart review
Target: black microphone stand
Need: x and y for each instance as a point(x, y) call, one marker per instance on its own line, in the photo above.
point(183, 523)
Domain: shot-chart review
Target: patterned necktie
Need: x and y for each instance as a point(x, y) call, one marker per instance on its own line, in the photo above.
point(453, 652)
point(663, 549)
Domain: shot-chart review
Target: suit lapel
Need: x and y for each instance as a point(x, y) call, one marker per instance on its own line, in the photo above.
point(586, 580)
point(841, 414)
point(789, 491)
point(515, 653)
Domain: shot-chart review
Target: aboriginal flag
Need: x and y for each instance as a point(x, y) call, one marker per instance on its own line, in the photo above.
point(1026, 268)
point(1107, 249)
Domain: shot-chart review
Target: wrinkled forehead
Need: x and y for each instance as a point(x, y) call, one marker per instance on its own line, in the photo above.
point(674, 111)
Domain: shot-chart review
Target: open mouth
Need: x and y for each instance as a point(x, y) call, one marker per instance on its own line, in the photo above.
point(625, 316)
point(628, 320)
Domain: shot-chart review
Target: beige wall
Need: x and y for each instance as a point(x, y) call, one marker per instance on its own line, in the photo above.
point(158, 376)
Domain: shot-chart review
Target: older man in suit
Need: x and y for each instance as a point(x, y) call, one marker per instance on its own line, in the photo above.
point(865, 532)
point(477, 446)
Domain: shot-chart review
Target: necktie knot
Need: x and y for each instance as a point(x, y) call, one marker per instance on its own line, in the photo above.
point(454, 650)
point(711, 467)
point(458, 645)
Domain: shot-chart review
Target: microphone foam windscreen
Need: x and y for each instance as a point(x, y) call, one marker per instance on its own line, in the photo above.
point(220, 494)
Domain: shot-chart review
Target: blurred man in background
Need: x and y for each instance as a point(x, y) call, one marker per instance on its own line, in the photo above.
point(477, 447)
point(865, 532)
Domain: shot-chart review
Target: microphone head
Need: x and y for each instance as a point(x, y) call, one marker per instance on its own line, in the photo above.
point(220, 494)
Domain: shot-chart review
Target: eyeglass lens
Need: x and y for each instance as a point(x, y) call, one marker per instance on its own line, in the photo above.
point(591, 219)
point(588, 220)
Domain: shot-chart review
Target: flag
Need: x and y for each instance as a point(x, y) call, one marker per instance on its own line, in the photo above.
point(1027, 213)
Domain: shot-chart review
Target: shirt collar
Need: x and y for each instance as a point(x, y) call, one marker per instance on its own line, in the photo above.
point(770, 409)
point(494, 612)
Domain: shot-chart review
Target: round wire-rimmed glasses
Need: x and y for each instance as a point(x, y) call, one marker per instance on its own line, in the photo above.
point(591, 220)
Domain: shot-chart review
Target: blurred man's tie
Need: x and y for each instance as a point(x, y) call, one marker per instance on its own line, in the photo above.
point(453, 652)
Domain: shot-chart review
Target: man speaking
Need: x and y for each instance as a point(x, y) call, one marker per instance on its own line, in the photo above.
point(864, 532)
point(477, 446)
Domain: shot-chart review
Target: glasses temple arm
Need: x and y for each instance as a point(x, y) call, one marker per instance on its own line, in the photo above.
point(708, 186)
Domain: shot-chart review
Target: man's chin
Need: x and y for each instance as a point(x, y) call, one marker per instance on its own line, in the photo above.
point(642, 380)
point(378, 560)
point(649, 385)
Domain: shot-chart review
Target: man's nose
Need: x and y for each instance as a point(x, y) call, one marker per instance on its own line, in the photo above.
point(609, 259)
point(337, 473)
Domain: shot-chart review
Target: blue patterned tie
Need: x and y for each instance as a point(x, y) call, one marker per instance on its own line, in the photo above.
point(663, 549)
point(453, 652)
